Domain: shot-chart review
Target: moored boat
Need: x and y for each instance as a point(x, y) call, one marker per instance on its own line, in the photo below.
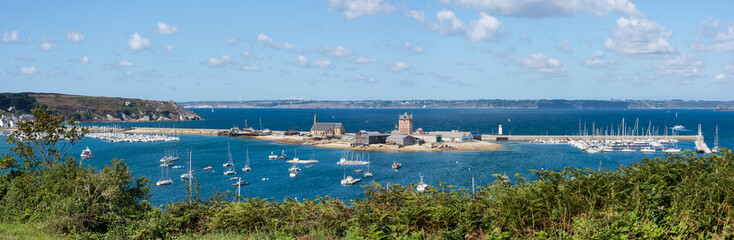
point(87, 154)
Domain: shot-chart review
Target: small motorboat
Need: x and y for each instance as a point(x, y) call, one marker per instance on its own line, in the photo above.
point(396, 165)
point(421, 186)
point(87, 154)
point(208, 168)
point(240, 183)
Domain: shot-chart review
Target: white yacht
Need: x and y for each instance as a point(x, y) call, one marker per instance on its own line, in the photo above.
point(190, 173)
point(165, 180)
point(247, 164)
point(349, 180)
point(647, 150)
point(593, 150)
point(671, 150)
point(87, 154)
point(272, 156)
point(229, 155)
point(421, 186)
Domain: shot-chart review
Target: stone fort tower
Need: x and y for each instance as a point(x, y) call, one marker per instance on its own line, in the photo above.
point(405, 123)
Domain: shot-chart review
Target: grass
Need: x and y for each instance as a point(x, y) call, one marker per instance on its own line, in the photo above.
point(25, 231)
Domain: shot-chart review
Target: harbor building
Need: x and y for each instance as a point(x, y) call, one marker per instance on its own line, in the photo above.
point(425, 138)
point(405, 124)
point(402, 140)
point(370, 138)
point(326, 129)
point(452, 136)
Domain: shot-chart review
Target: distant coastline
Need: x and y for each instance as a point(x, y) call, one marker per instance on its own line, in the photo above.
point(467, 104)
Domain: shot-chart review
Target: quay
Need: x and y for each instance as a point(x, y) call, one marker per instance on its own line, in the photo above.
point(527, 138)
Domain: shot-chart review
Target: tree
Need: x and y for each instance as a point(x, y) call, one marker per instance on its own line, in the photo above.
point(42, 142)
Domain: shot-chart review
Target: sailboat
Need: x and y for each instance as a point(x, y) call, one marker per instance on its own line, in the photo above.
point(272, 156)
point(229, 171)
point(421, 185)
point(190, 173)
point(165, 180)
point(715, 149)
point(349, 180)
point(228, 163)
point(240, 182)
point(247, 164)
point(282, 155)
point(313, 158)
point(368, 173)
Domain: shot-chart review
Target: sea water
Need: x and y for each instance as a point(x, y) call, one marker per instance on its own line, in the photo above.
point(451, 168)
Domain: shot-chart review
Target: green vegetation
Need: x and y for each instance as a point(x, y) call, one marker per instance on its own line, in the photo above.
point(681, 196)
point(91, 109)
point(21, 101)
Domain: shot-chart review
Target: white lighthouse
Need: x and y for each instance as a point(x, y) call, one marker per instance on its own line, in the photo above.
point(499, 130)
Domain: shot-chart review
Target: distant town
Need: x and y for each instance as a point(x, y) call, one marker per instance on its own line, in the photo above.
point(480, 103)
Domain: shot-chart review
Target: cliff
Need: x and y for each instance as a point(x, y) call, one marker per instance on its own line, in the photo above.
point(107, 109)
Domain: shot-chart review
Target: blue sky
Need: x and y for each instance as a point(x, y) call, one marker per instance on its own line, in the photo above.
point(370, 49)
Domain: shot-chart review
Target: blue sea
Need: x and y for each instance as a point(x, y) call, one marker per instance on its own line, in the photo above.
point(451, 168)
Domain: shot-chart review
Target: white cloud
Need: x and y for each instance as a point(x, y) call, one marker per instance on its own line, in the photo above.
point(640, 37)
point(75, 36)
point(302, 61)
point(137, 43)
point(230, 41)
point(11, 37)
point(28, 70)
point(170, 48)
point(165, 28)
point(408, 47)
point(717, 42)
point(718, 79)
point(398, 67)
point(21, 57)
point(218, 61)
point(124, 64)
point(544, 65)
point(363, 60)
point(250, 68)
point(321, 63)
point(683, 67)
point(268, 42)
point(48, 44)
point(56, 73)
point(365, 79)
point(84, 59)
point(174, 75)
point(338, 52)
point(550, 8)
point(564, 47)
point(352, 9)
point(447, 23)
point(484, 29)
point(596, 60)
